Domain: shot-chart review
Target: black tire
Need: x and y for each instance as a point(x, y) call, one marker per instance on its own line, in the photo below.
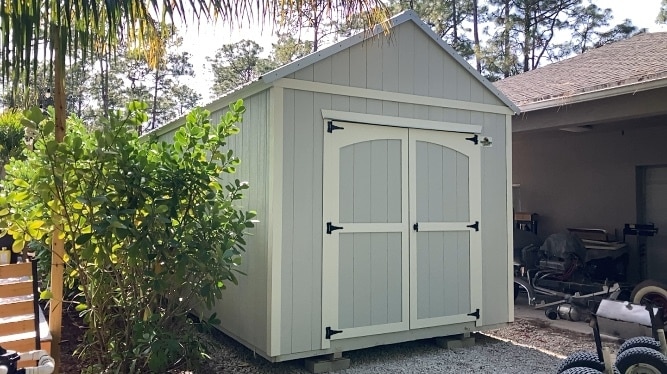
point(640, 341)
point(641, 360)
point(517, 290)
point(581, 370)
point(581, 359)
point(653, 291)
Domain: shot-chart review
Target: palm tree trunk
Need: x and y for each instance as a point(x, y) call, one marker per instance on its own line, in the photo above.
point(57, 243)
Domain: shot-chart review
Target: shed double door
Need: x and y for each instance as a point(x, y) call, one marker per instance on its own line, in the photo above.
point(402, 244)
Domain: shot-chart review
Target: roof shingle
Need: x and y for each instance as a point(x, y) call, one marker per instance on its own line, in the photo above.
point(640, 58)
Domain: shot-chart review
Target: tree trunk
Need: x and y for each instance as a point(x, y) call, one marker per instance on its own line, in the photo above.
point(526, 36)
point(455, 22)
point(57, 243)
point(476, 36)
point(506, 40)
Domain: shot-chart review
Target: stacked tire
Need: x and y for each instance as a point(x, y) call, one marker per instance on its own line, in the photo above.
point(640, 355)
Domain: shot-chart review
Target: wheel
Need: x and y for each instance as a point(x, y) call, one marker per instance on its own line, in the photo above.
point(581, 370)
point(653, 291)
point(640, 341)
point(517, 290)
point(641, 360)
point(581, 359)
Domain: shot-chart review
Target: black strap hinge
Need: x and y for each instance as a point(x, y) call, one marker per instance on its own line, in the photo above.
point(473, 139)
point(474, 226)
point(329, 331)
point(331, 127)
point(416, 227)
point(331, 228)
point(474, 314)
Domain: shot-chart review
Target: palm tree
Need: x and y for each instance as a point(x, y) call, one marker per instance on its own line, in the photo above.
point(80, 28)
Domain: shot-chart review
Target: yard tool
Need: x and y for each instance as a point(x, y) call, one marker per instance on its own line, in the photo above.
point(9, 361)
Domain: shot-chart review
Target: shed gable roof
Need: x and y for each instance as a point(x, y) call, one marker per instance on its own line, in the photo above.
point(634, 61)
point(401, 18)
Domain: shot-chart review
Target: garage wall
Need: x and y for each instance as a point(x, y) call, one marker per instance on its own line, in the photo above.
point(584, 179)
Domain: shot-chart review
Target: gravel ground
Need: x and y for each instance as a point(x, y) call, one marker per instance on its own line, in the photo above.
point(527, 346)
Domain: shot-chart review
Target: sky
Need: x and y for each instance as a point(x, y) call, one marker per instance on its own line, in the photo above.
point(207, 39)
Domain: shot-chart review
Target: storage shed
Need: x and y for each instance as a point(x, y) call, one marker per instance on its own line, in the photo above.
point(380, 170)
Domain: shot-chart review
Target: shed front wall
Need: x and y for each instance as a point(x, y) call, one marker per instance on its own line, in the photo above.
point(409, 62)
point(243, 308)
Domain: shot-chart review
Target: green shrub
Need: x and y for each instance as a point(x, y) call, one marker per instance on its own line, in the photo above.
point(11, 137)
point(151, 230)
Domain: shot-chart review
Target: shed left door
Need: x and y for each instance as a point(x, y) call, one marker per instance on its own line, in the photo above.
point(366, 241)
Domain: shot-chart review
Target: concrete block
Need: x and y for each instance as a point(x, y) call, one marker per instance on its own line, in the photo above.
point(325, 365)
point(455, 342)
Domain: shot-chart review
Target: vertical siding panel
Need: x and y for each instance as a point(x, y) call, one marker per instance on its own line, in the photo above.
point(463, 84)
point(302, 305)
point(406, 110)
point(379, 294)
point(450, 78)
point(451, 270)
point(462, 200)
point(379, 181)
point(374, 73)
point(406, 55)
point(362, 279)
point(287, 293)
point(340, 75)
point(362, 182)
point(346, 281)
point(422, 172)
point(394, 281)
point(307, 73)
point(464, 281)
point(322, 71)
point(394, 194)
point(423, 284)
point(358, 75)
point(434, 183)
point(436, 262)
point(436, 78)
point(449, 188)
point(321, 101)
point(346, 190)
point(420, 66)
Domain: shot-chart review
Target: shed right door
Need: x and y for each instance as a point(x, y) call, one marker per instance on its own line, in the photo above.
point(445, 241)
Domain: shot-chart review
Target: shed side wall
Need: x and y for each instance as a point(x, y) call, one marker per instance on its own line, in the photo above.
point(409, 62)
point(243, 309)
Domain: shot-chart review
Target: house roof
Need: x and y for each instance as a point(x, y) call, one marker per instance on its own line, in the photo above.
point(630, 63)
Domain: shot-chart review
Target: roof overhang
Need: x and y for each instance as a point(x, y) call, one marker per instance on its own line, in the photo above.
point(595, 95)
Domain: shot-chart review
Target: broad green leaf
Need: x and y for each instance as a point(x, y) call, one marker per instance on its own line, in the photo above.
point(45, 295)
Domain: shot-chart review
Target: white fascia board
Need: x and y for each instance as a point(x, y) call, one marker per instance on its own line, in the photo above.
point(217, 104)
point(595, 95)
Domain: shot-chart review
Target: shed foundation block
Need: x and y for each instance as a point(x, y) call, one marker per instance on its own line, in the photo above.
point(325, 364)
point(455, 341)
